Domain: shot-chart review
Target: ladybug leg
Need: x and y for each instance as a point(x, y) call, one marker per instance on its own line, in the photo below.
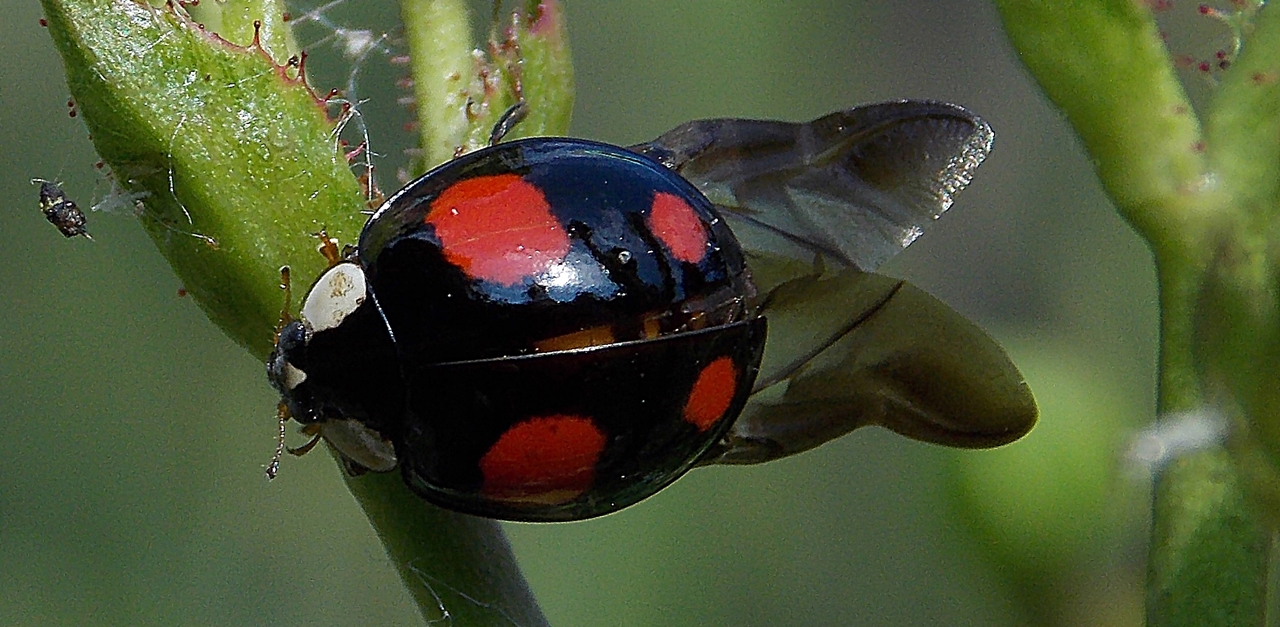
point(312, 430)
point(517, 112)
point(282, 418)
point(514, 115)
point(329, 248)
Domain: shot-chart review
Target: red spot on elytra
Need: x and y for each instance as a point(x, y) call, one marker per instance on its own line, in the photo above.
point(678, 227)
point(548, 459)
point(712, 394)
point(498, 228)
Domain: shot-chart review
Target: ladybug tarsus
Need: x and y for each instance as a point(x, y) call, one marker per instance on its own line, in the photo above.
point(314, 432)
point(328, 247)
point(514, 115)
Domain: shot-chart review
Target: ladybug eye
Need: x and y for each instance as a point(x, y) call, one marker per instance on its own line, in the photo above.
point(337, 293)
point(280, 371)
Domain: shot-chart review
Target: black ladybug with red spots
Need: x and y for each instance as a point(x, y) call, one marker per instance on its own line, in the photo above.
point(553, 329)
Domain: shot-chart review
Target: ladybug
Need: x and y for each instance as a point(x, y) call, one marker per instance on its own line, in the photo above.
point(552, 329)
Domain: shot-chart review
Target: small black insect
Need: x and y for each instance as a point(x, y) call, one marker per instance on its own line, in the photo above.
point(61, 211)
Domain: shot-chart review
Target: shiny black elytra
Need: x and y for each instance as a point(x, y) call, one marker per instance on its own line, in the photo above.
point(553, 329)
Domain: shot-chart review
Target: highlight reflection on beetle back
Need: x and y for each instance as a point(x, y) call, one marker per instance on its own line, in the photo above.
point(579, 236)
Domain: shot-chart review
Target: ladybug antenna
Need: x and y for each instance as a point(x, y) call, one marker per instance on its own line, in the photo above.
point(514, 115)
point(282, 416)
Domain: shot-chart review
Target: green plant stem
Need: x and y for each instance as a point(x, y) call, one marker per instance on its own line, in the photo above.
point(1209, 552)
point(455, 566)
point(441, 64)
point(460, 91)
point(1104, 63)
point(1209, 555)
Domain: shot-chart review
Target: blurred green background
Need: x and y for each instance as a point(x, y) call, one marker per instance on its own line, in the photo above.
point(133, 433)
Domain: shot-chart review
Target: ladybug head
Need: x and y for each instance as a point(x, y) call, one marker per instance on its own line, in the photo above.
point(330, 367)
point(338, 293)
point(285, 377)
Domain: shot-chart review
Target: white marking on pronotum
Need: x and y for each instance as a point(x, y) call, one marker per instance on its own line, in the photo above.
point(340, 290)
